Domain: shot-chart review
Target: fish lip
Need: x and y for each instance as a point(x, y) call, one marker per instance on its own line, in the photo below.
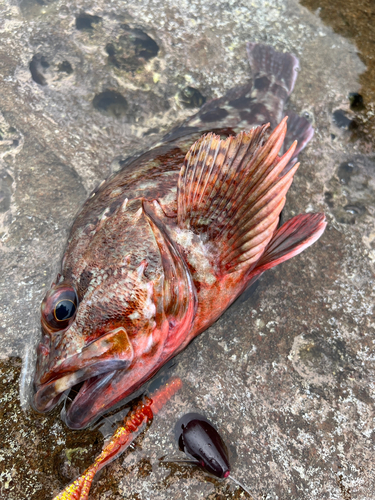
point(97, 358)
point(79, 416)
point(49, 395)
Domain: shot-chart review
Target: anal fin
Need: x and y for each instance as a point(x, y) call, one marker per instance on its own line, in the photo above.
point(289, 240)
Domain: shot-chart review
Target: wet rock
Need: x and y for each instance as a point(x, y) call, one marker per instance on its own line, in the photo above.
point(350, 19)
point(352, 191)
point(86, 21)
point(345, 172)
point(11, 139)
point(34, 7)
point(131, 49)
point(356, 101)
point(319, 361)
point(65, 67)
point(34, 446)
point(111, 103)
point(341, 119)
point(287, 373)
point(44, 71)
point(189, 97)
point(38, 66)
point(6, 182)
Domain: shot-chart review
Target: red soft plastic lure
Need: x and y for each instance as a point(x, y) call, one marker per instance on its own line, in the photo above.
point(122, 438)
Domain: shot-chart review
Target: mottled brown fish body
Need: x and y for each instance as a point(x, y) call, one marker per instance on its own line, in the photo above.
point(163, 247)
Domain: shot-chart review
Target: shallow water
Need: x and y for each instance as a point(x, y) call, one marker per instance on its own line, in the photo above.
point(287, 373)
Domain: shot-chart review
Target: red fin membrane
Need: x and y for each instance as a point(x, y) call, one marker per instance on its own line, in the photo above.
point(291, 239)
point(232, 192)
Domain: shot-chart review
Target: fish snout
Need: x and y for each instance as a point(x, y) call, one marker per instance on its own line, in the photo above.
point(113, 351)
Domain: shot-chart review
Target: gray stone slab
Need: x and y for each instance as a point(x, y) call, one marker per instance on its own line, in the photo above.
point(287, 374)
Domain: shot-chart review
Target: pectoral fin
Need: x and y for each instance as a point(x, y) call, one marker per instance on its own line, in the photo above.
point(179, 294)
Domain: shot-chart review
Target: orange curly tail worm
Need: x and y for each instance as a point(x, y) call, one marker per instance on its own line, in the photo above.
point(122, 438)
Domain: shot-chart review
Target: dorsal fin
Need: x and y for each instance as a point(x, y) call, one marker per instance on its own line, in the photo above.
point(232, 191)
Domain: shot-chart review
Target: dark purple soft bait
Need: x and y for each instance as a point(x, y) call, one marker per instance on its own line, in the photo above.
point(199, 439)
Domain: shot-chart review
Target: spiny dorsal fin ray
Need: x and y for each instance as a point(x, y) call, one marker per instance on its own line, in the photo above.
point(232, 192)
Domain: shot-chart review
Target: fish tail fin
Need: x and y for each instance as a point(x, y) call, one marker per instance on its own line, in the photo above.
point(232, 191)
point(272, 67)
point(259, 101)
point(274, 75)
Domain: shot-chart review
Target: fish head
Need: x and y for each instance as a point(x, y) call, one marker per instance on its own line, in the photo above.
point(90, 338)
point(105, 323)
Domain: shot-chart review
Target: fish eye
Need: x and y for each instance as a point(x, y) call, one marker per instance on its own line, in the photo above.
point(59, 307)
point(65, 309)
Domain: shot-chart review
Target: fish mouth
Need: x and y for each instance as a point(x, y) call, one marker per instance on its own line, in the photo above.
point(94, 366)
point(48, 395)
point(81, 411)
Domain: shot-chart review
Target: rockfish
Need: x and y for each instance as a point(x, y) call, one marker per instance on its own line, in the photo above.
point(162, 248)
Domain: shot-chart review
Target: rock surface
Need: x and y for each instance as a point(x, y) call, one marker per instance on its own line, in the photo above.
point(287, 374)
